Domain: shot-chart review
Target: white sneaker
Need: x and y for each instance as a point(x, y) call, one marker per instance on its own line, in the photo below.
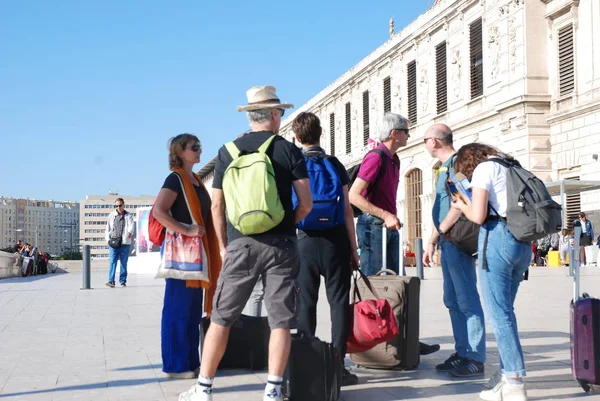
point(273, 396)
point(505, 391)
point(197, 393)
point(494, 380)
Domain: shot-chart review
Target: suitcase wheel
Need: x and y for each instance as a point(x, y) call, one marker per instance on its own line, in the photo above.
point(584, 385)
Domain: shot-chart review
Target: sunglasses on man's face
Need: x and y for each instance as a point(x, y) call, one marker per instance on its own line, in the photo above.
point(120, 205)
point(194, 148)
point(282, 111)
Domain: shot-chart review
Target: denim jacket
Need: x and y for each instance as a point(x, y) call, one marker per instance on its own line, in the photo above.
point(589, 229)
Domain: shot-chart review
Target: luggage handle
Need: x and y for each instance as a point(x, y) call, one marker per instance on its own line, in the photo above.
point(356, 292)
point(401, 267)
point(387, 271)
point(576, 261)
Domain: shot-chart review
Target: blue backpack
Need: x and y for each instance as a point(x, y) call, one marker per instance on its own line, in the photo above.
point(327, 193)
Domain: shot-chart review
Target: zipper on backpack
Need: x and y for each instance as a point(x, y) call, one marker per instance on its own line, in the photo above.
point(255, 211)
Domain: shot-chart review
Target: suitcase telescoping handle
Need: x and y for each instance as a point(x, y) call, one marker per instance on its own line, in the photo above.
point(576, 261)
point(401, 267)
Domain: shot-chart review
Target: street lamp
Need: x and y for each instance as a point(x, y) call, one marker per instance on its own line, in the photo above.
point(70, 226)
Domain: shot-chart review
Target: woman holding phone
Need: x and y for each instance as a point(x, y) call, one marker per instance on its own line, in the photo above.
point(502, 263)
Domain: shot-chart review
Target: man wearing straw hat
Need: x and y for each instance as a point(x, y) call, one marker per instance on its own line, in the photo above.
point(271, 256)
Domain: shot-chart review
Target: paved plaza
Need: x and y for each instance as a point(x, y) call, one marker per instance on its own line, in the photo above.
point(60, 343)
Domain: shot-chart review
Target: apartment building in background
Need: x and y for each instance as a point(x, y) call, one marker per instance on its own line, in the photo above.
point(94, 211)
point(52, 226)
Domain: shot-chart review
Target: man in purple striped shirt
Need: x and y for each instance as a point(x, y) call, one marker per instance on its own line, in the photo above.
point(374, 192)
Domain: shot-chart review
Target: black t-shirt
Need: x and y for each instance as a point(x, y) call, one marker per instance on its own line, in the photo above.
point(288, 164)
point(180, 210)
point(345, 179)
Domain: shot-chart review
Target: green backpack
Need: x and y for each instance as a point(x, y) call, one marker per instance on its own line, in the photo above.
point(251, 195)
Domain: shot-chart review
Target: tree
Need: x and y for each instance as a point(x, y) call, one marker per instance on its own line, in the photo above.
point(69, 255)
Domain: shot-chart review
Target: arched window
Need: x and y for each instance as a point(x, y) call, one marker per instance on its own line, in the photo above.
point(414, 190)
point(436, 167)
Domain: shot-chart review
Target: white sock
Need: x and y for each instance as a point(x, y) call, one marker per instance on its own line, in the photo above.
point(205, 383)
point(273, 383)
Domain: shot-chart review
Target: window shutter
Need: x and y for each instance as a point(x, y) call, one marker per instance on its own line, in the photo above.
point(332, 131)
point(387, 95)
point(348, 130)
point(566, 61)
point(441, 78)
point(365, 118)
point(411, 73)
point(573, 207)
point(476, 45)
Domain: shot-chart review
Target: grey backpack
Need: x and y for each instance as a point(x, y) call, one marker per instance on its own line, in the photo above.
point(531, 213)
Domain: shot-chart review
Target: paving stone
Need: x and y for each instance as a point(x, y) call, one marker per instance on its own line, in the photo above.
point(60, 343)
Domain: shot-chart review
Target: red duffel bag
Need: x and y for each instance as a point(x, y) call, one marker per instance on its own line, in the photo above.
point(372, 321)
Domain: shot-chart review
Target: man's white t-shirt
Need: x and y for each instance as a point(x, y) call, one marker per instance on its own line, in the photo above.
point(491, 176)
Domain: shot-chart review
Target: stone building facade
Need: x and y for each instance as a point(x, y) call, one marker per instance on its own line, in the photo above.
point(522, 75)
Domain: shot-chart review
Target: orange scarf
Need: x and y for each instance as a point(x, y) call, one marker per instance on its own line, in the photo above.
point(209, 241)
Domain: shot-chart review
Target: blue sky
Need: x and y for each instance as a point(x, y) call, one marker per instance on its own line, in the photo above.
point(91, 91)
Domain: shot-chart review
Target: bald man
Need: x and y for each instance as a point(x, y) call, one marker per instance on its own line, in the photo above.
point(460, 279)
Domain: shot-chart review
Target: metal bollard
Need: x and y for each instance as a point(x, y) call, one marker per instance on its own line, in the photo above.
point(419, 256)
point(86, 268)
point(571, 261)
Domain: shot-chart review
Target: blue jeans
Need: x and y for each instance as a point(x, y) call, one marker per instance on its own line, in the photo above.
point(462, 300)
point(507, 261)
point(118, 255)
point(368, 231)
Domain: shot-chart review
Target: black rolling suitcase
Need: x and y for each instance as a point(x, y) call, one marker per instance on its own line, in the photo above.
point(314, 371)
point(248, 345)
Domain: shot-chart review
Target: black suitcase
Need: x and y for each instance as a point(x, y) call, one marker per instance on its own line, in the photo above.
point(248, 345)
point(314, 371)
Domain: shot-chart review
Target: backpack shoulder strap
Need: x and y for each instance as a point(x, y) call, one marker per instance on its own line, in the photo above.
point(233, 150)
point(383, 167)
point(502, 162)
point(381, 171)
point(330, 167)
point(263, 148)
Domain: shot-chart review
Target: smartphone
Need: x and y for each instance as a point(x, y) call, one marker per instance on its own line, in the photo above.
point(451, 187)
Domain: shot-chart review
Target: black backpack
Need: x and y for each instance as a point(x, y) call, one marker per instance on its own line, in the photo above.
point(531, 212)
point(353, 173)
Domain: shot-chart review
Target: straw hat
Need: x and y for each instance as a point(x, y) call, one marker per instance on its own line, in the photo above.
point(263, 97)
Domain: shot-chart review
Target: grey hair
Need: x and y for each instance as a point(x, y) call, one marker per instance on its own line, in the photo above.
point(389, 122)
point(259, 116)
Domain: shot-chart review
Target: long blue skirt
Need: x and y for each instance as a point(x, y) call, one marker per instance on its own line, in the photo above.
point(180, 332)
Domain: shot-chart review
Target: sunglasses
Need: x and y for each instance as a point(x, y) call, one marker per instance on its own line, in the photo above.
point(282, 111)
point(121, 205)
point(194, 148)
